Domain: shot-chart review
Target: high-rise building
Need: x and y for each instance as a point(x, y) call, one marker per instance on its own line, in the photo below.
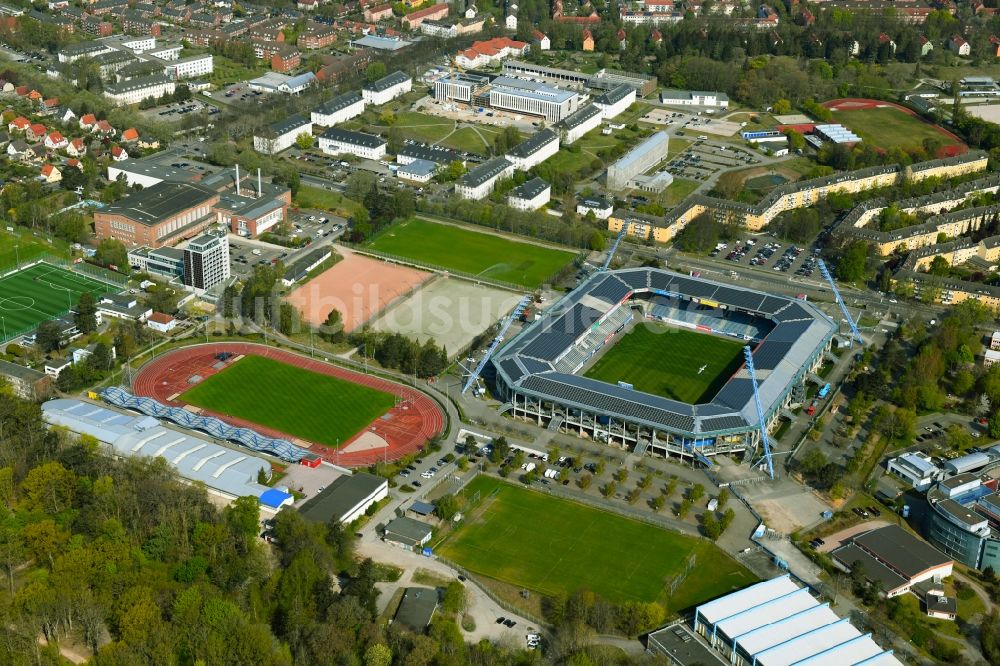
point(206, 261)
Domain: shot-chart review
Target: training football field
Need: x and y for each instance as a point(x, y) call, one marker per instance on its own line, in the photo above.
point(671, 362)
point(313, 406)
point(42, 292)
point(552, 546)
point(473, 252)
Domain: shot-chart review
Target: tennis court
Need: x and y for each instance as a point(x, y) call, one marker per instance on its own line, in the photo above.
point(39, 293)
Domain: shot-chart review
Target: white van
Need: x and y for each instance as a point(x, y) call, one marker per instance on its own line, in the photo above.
point(255, 252)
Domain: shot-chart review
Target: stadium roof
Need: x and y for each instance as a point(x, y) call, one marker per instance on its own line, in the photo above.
point(229, 471)
point(528, 363)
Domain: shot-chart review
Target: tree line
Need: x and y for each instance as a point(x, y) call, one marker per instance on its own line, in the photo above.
point(398, 352)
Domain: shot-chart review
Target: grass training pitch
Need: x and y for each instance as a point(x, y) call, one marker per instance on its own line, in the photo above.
point(315, 407)
point(887, 128)
point(551, 545)
point(42, 292)
point(668, 361)
point(482, 254)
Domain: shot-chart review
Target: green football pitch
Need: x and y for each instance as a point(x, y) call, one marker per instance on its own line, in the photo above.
point(552, 546)
point(313, 406)
point(473, 252)
point(42, 292)
point(671, 362)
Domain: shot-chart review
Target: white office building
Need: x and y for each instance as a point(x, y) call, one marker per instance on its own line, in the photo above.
point(338, 110)
point(281, 135)
point(576, 125)
point(189, 68)
point(460, 87)
point(206, 261)
point(531, 195)
point(537, 148)
point(916, 469)
point(419, 171)
point(717, 100)
point(637, 161)
point(615, 101)
point(135, 91)
point(336, 141)
point(480, 181)
point(387, 88)
point(532, 98)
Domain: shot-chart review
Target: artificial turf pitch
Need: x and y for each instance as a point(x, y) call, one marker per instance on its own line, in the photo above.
point(42, 292)
point(313, 406)
point(668, 361)
point(472, 252)
point(555, 546)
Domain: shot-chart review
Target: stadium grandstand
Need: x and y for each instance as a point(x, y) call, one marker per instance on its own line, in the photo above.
point(538, 372)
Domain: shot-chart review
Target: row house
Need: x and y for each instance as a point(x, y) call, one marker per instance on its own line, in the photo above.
point(102, 7)
point(270, 30)
point(137, 23)
point(316, 36)
point(92, 25)
point(378, 13)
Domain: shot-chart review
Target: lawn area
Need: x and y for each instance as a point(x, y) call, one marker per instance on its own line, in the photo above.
point(21, 246)
point(678, 190)
point(473, 252)
point(577, 157)
point(320, 199)
point(315, 407)
point(226, 71)
point(551, 545)
point(886, 127)
point(468, 140)
point(671, 362)
point(421, 127)
point(39, 293)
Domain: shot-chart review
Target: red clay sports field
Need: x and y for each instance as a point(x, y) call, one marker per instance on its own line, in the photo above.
point(405, 428)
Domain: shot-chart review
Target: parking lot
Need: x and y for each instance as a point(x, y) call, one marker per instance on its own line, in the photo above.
point(702, 159)
point(178, 110)
point(238, 92)
point(770, 254)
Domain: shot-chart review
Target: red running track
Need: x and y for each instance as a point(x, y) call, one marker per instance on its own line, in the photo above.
point(406, 427)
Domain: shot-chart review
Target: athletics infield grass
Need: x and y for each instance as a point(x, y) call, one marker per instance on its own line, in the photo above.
point(555, 546)
point(459, 249)
point(42, 292)
point(318, 408)
point(668, 361)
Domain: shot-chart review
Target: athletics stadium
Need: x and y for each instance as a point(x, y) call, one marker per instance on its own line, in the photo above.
point(541, 374)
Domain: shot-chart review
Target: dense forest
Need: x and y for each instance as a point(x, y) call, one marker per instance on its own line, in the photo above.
point(119, 560)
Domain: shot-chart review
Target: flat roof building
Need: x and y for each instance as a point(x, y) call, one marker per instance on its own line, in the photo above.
point(640, 159)
point(159, 215)
point(347, 498)
point(407, 532)
point(915, 468)
point(532, 98)
point(894, 558)
point(672, 97)
point(26, 383)
point(416, 609)
point(419, 171)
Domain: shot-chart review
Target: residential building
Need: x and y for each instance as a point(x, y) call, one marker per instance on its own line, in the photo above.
point(959, 46)
point(601, 208)
point(991, 357)
point(25, 382)
point(122, 306)
point(335, 141)
point(490, 52)
point(413, 21)
point(282, 135)
point(540, 38)
point(577, 124)
point(206, 261)
point(387, 88)
point(189, 68)
point(411, 152)
point(339, 109)
point(135, 91)
point(480, 181)
point(530, 195)
point(640, 159)
point(378, 13)
point(615, 101)
point(534, 150)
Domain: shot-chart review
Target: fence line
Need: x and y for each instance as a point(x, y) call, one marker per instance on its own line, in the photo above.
point(503, 603)
point(404, 261)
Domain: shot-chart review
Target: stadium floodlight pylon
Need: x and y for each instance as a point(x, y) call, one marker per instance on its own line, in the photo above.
point(504, 327)
point(764, 441)
point(855, 333)
point(614, 247)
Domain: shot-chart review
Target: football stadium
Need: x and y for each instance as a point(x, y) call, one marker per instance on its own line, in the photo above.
point(691, 395)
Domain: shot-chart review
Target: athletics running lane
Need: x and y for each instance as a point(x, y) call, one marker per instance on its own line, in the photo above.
point(406, 427)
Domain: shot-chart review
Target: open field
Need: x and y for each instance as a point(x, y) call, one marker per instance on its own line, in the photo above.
point(671, 362)
point(473, 252)
point(678, 190)
point(333, 202)
point(40, 293)
point(450, 311)
point(471, 140)
point(887, 127)
point(554, 546)
point(359, 287)
point(420, 126)
point(316, 407)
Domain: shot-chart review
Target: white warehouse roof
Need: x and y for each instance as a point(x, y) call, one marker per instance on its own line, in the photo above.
point(779, 623)
point(225, 470)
